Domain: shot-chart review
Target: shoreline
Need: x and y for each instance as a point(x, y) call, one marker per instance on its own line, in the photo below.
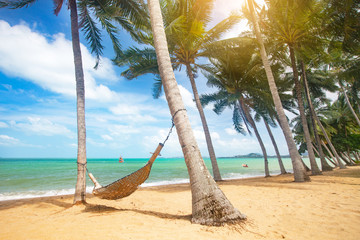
point(249, 179)
point(277, 208)
point(54, 193)
point(181, 183)
point(36, 181)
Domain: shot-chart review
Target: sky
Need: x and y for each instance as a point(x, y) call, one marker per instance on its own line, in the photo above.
point(38, 96)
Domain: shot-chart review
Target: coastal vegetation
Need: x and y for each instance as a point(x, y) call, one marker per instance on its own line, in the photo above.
point(294, 55)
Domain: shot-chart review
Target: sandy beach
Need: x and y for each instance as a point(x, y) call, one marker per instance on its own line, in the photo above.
point(328, 207)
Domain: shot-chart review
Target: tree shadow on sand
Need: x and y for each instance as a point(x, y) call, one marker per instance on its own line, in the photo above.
point(96, 208)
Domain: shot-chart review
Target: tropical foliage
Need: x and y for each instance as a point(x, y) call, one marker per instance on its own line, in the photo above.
point(185, 23)
point(299, 51)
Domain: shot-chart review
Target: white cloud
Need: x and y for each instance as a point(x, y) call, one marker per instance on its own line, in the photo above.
point(187, 97)
point(214, 136)
point(6, 140)
point(43, 127)
point(120, 130)
point(3, 125)
point(332, 96)
point(107, 137)
point(73, 145)
point(125, 109)
point(172, 147)
point(7, 86)
point(133, 112)
point(222, 11)
point(241, 145)
point(49, 63)
point(230, 131)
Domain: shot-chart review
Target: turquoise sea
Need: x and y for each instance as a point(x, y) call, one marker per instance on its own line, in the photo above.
point(27, 178)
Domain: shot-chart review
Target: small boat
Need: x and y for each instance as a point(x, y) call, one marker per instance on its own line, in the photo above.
point(245, 165)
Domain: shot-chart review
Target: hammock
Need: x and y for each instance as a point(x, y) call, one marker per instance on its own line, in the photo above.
point(126, 185)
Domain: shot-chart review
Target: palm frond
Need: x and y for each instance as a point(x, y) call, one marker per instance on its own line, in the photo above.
point(220, 106)
point(134, 54)
point(57, 6)
point(238, 121)
point(205, 99)
point(111, 31)
point(157, 87)
point(222, 27)
point(91, 31)
point(15, 4)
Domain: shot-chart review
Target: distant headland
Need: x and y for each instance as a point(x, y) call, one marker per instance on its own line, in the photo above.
point(255, 155)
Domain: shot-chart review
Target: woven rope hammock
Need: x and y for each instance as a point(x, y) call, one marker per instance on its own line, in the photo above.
point(126, 185)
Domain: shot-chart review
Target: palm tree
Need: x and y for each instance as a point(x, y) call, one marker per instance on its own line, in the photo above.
point(80, 189)
point(281, 165)
point(349, 104)
point(265, 111)
point(346, 133)
point(188, 47)
point(324, 165)
point(290, 24)
point(325, 134)
point(341, 24)
point(235, 73)
point(93, 36)
point(299, 171)
point(185, 22)
point(209, 204)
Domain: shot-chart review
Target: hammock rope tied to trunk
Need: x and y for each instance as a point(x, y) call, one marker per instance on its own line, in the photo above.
point(130, 183)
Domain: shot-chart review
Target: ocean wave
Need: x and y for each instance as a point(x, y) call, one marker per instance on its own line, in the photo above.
point(50, 193)
point(37, 194)
point(161, 183)
point(5, 196)
point(230, 176)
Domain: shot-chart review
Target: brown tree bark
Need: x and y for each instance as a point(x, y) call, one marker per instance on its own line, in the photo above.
point(209, 204)
point(314, 167)
point(215, 167)
point(324, 165)
point(281, 165)
point(299, 171)
point(80, 188)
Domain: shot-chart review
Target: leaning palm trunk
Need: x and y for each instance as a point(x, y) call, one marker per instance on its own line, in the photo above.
point(80, 189)
point(356, 156)
point(349, 104)
point(324, 157)
point(257, 134)
point(345, 159)
point(337, 157)
point(348, 157)
point(324, 165)
point(282, 168)
point(209, 144)
point(330, 154)
point(209, 204)
point(352, 161)
point(299, 171)
point(314, 167)
point(307, 169)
